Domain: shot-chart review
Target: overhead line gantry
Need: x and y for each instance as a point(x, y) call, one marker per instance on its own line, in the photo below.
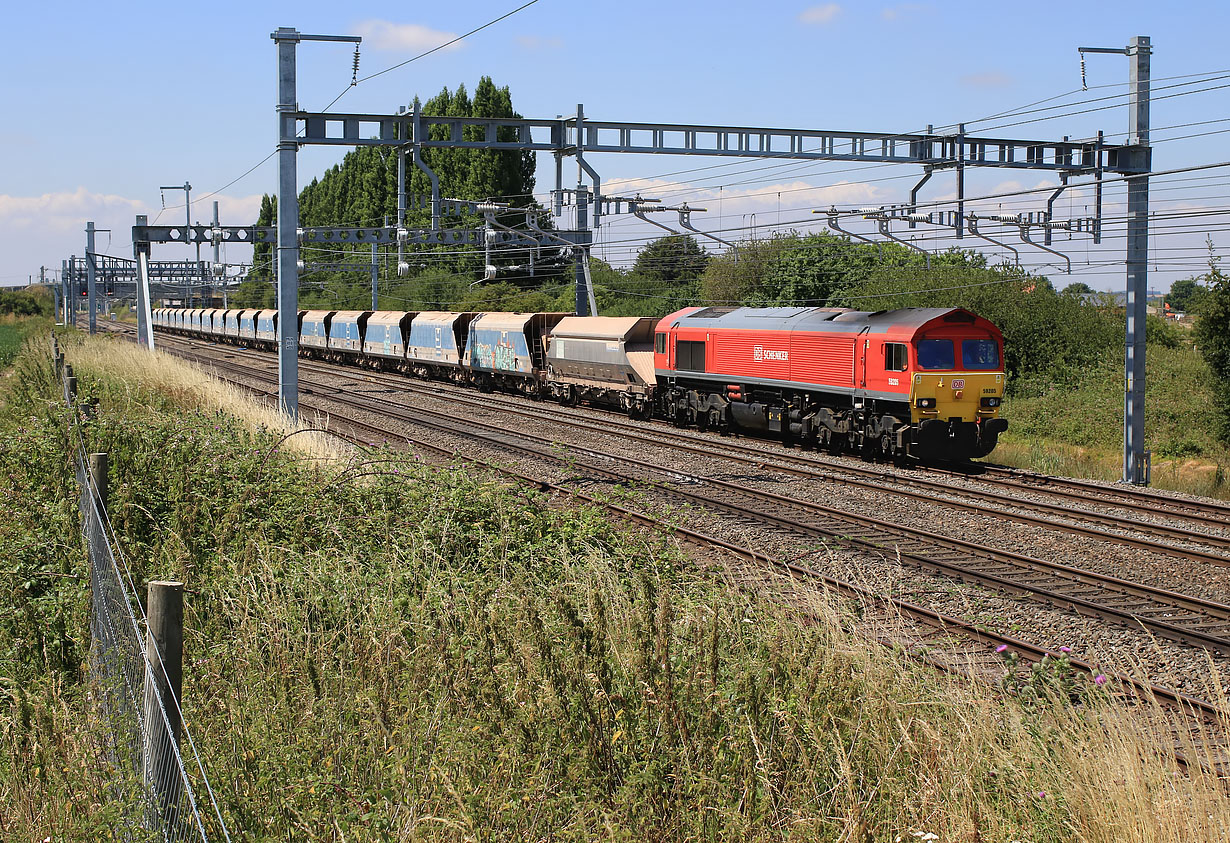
point(409, 133)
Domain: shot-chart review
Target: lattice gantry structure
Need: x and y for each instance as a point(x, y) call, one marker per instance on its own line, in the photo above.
point(410, 132)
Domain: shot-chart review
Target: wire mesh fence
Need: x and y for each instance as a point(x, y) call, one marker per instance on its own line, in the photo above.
point(156, 772)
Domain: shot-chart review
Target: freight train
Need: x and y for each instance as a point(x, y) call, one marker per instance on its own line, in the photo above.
point(922, 383)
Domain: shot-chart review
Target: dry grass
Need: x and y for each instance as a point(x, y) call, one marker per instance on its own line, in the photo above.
point(435, 657)
point(191, 387)
point(1048, 456)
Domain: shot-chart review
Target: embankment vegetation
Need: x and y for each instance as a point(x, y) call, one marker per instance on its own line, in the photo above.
point(380, 649)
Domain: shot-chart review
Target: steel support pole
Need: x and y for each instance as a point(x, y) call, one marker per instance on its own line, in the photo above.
point(66, 292)
point(188, 234)
point(401, 206)
point(1134, 458)
point(288, 224)
point(145, 316)
point(89, 276)
point(72, 286)
point(582, 297)
point(217, 258)
point(375, 275)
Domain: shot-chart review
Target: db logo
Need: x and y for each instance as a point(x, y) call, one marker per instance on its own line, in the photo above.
point(760, 353)
point(958, 383)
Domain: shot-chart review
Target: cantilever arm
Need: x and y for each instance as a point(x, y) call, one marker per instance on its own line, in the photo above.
point(1025, 237)
point(685, 220)
point(883, 222)
point(634, 205)
point(832, 214)
point(972, 219)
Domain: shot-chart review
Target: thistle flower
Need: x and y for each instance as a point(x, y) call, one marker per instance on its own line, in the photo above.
point(1100, 679)
point(1001, 648)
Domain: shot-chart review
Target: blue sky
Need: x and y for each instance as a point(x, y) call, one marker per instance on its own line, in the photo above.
point(105, 105)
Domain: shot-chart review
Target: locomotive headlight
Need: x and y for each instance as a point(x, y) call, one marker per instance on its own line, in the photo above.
point(926, 403)
point(990, 402)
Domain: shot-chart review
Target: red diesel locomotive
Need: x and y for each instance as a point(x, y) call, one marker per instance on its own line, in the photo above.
point(925, 383)
point(921, 382)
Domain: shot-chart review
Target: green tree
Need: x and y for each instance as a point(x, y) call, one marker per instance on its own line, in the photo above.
point(676, 257)
point(1078, 288)
point(1212, 334)
point(262, 253)
point(362, 191)
point(1185, 295)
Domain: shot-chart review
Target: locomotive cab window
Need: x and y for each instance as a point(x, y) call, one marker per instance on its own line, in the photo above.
point(936, 354)
point(690, 356)
point(980, 354)
point(894, 357)
point(659, 343)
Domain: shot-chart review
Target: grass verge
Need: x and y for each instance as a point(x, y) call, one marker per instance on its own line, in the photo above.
point(1076, 429)
point(383, 650)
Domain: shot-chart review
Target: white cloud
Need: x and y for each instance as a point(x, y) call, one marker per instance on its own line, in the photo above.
point(64, 211)
point(987, 79)
point(536, 42)
point(894, 13)
point(48, 228)
point(405, 37)
point(822, 14)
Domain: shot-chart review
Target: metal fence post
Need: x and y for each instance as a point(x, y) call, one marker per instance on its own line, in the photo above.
point(163, 679)
point(96, 536)
point(70, 383)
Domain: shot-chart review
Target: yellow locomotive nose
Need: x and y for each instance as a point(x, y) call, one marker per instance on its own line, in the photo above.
point(964, 396)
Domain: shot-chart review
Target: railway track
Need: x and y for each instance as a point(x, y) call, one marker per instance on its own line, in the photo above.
point(1182, 720)
point(1181, 618)
point(916, 488)
point(1204, 547)
point(1209, 515)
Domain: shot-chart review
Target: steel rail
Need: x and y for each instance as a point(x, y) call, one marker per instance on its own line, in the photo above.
point(878, 535)
point(1143, 692)
point(706, 448)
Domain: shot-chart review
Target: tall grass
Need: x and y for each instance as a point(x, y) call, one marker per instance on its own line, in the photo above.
point(426, 654)
point(1076, 428)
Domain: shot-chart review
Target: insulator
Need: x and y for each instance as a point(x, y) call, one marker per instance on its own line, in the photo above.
point(299, 234)
point(489, 275)
point(219, 270)
point(403, 236)
point(354, 73)
point(300, 265)
point(216, 236)
point(1014, 219)
point(490, 235)
point(918, 217)
point(403, 269)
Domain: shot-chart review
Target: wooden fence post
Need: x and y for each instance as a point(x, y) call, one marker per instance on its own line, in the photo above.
point(164, 643)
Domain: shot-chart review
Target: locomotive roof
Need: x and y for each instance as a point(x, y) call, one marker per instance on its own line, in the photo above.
point(827, 319)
